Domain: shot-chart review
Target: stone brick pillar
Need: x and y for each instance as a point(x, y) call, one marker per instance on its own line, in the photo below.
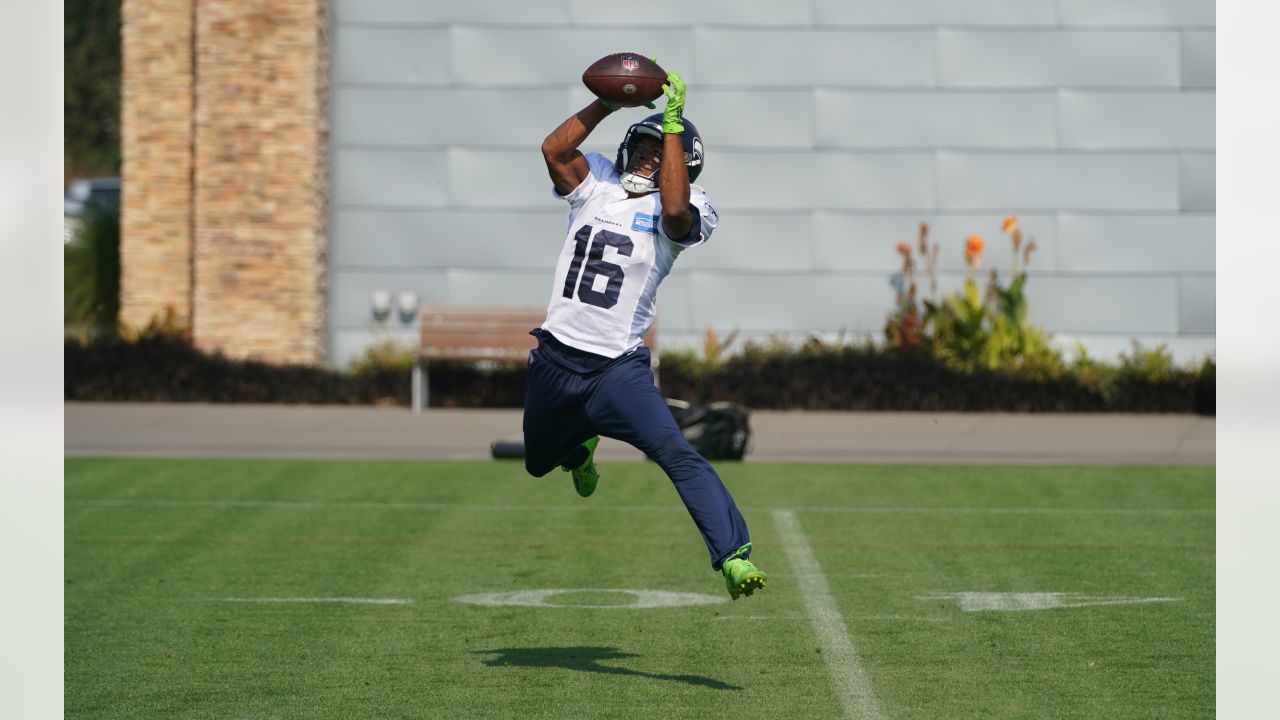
point(260, 178)
point(156, 117)
point(226, 172)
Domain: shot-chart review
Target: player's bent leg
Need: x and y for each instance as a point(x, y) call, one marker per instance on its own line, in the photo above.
point(555, 423)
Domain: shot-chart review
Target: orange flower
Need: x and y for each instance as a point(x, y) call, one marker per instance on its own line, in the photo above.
point(973, 248)
point(903, 248)
point(1010, 223)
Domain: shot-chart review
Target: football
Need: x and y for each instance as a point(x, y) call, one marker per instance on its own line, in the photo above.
point(628, 79)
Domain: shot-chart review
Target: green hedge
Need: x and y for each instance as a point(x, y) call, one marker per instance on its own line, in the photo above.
point(849, 378)
point(166, 368)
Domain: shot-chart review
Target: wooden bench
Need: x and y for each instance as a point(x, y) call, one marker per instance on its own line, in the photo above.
point(480, 333)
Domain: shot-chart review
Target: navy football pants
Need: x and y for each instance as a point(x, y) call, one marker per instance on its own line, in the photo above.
point(564, 408)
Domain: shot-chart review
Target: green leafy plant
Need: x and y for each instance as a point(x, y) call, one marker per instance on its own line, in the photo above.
point(386, 356)
point(902, 328)
point(972, 329)
point(714, 349)
point(91, 275)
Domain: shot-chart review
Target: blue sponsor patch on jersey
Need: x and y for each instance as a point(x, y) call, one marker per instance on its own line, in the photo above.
point(645, 223)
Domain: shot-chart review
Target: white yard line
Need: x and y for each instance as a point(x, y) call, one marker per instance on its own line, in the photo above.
point(343, 600)
point(362, 505)
point(928, 510)
point(596, 507)
point(851, 683)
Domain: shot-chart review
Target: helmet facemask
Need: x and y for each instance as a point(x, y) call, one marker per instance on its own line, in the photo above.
point(634, 177)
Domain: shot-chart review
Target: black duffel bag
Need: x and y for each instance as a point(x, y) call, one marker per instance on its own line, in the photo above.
point(718, 431)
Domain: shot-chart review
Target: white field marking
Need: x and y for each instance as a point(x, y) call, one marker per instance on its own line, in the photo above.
point(851, 683)
point(362, 505)
point(891, 618)
point(302, 505)
point(641, 599)
point(763, 617)
point(1014, 602)
point(928, 510)
point(345, 600)
point(900, 618)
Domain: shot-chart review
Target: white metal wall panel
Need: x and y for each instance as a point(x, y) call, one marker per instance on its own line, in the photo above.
point(1199, 59)
point(904, 119)
point(782, 180)
point(491, 287)
point(1131, 120)
point(1036, 58)
point(755, 241)
point(683, 12)
point(445, 116)
point(412, 55)
point(799, 58)
point(1043, 181)
point(390, 178)
point(1197, 306)
point(674, 301)
point(1105, 304)
point(997, 58)
point(1199, 182)
point(789, 303)
point(1150, 13)
point(772, 118)
point(1115, 58)
point(1136, 243)
point(446, 238)
point(523, 12)
point(483, 55)
point(1023, 13)
point(499, 178)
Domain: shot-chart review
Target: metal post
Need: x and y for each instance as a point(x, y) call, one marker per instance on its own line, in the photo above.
point(418, 401)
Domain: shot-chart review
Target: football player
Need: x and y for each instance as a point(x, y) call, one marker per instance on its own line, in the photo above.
point(629, 219)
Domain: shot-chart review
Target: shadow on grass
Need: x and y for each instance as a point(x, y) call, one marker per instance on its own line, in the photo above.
point(587, 659)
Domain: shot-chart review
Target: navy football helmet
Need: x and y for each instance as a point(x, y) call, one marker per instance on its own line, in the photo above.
point(652, 126)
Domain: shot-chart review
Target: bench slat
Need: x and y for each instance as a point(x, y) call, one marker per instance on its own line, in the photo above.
point(477, 332)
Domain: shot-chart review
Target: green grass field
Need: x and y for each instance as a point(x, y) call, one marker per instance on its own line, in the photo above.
point(194, 588)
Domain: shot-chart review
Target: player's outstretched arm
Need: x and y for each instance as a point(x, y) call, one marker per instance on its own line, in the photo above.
point(673, 179)
point(565, 163)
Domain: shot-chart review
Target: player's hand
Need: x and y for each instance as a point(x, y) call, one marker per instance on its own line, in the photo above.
point(614, 107)
point(673, 113)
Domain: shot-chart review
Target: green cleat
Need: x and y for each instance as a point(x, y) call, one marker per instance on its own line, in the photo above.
point(741, 576)
point(585, 476)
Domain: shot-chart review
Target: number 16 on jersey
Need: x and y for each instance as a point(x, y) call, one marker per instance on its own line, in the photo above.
point(596, 265)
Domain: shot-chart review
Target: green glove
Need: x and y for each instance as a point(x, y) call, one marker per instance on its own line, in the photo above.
point(673, 114)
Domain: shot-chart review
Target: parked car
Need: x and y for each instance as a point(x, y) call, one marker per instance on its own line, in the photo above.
point(84, 194)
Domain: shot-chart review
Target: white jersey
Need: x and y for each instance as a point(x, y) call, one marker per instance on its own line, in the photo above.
point(605, 289)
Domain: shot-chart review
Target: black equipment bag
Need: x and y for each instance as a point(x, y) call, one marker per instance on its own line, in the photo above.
point(719, 431)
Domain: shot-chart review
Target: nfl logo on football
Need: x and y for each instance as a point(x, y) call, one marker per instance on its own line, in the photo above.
point(630, 63)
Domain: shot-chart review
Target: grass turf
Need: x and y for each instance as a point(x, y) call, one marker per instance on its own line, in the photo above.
point(155, 548)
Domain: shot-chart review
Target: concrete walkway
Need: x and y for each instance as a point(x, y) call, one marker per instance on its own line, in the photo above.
point(310, 431)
